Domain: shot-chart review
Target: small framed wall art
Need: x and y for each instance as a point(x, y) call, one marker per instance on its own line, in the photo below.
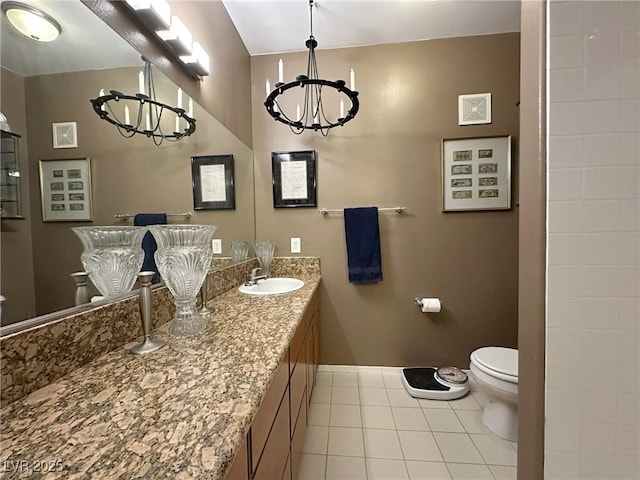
point(65, 135)
point(294, 179)
point(65, 190)
point(476, 173)
point(213, 182)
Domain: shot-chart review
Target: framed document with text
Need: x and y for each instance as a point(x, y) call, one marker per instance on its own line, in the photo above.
point(213, 182)
point(294, 179)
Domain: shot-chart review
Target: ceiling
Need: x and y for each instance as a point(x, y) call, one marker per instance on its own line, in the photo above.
point(266, 26)
point(276, 26)
point(81, 45)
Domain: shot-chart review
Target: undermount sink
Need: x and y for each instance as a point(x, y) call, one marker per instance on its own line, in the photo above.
point(273, 286)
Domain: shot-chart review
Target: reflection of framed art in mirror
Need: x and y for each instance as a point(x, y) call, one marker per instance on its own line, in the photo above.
point(213, 182)
point(65, 190)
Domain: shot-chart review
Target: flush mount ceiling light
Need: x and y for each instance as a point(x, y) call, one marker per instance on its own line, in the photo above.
point(313, 115)
point(31, 22)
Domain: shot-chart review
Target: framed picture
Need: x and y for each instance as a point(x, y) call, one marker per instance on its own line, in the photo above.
point(476, 173)
point(65, 190)
point(65, 135)
point(294, 179)
point(213, 182)
point(474, 109)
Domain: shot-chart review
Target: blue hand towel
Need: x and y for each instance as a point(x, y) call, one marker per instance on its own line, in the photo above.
point(363, 244)
point(149, 244)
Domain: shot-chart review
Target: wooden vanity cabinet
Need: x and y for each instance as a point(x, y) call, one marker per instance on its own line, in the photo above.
point(273, 448)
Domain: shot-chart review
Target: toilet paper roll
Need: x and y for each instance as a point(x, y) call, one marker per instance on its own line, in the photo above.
point(430, 305)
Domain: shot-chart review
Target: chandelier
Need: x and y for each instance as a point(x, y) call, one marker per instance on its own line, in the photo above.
point(313, 115)
point(142, 113)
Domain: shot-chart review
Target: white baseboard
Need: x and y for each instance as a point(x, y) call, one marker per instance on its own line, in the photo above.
point(358, 369)
point(376, 369)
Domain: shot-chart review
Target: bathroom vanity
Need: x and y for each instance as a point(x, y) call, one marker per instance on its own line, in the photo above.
point(232, 404)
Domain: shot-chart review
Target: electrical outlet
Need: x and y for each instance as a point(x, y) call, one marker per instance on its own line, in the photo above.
point(216, 246)
point(295, 245)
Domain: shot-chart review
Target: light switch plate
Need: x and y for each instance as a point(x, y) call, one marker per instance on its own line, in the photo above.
point(295, 245)
point(216, 246)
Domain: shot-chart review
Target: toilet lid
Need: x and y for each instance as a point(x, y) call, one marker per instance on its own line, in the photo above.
point(499, 359)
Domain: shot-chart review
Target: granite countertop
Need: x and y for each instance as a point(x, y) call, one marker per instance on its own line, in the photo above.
point(181, 412)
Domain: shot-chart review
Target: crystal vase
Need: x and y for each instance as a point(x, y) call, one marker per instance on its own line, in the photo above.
point(112, 255)
point(264, 251)
point(183, 258)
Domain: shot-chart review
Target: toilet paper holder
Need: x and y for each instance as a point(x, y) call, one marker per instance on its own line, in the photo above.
point(418, 301)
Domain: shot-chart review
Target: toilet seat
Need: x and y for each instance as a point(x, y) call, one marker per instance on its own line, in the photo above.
point(499, 362)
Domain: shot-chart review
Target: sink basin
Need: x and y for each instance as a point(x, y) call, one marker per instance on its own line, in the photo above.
point(273, 286)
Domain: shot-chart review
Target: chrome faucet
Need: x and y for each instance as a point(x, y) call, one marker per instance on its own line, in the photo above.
point(254, 277)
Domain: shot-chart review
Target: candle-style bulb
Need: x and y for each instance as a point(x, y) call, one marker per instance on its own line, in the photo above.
point(352, 79)
point(127, 120)
point(341, 108)
point(298, 112)
point(267, 87)
point(190, 113)
point(141, 82)
point(179, 98)
point(177, 124)
point(280, 71)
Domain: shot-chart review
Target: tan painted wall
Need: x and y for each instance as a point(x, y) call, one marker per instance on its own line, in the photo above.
point(16, 263)
point(129, 175)
point(390, 155)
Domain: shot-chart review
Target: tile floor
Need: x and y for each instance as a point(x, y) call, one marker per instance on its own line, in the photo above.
point(364, 425)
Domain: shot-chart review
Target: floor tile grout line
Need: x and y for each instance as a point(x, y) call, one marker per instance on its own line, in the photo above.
point(358, 386)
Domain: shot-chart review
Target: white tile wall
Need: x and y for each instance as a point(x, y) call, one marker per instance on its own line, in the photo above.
point(593, 313)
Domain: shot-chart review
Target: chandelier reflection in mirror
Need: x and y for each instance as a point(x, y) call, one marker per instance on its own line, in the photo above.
point(143, 113)
point(314, 114)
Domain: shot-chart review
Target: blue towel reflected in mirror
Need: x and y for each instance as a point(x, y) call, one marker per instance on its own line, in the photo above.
point(149, 244)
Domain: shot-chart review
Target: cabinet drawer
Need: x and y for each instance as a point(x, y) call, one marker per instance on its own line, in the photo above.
point(265, 418)
point(275, 455)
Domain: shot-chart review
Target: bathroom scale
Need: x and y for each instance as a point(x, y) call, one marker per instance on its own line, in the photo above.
point(435, 383)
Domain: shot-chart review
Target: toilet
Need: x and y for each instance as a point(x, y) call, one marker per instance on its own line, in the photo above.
point(495, 371)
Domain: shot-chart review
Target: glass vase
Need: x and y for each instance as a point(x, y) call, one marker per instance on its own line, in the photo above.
point(183, 258)
point(264, 252)
point(112, 255)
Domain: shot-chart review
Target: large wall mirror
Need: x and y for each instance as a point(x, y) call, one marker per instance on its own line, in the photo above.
point(129, 175)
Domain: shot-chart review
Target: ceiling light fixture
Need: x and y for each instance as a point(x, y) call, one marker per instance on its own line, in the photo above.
point(31, 22)
point(156, 16)
point(313, 115)
point(150, 116)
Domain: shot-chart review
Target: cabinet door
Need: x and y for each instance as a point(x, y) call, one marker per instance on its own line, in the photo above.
point(240, 468)
point(276, 451)
point(263, 423)
point(298, 385)
point(297, 441)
